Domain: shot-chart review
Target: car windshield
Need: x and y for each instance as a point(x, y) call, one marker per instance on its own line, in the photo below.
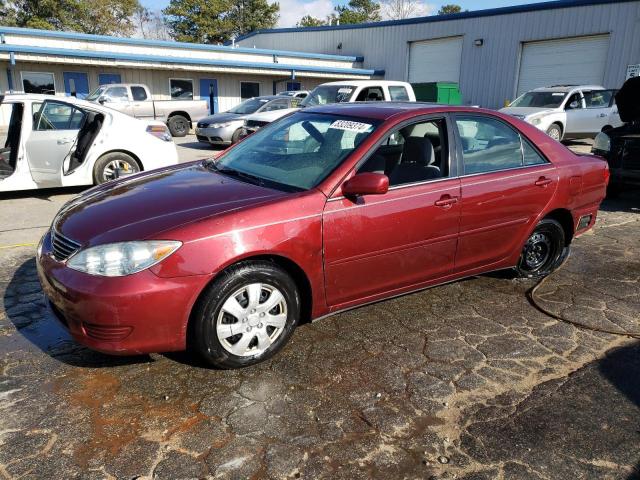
point(295, 153)
point(249, 106)
point(96, 93)
point(328, 94)
point(539, 99)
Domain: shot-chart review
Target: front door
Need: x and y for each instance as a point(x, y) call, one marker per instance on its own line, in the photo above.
point(506, 183)
point(209, 92)
point(76, 84)
point(378, 244)
point(53, 134)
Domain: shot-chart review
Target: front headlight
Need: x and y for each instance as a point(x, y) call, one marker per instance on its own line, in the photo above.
point(535, 120)
point(120, 259)
point(220, 125)
point(602, 143)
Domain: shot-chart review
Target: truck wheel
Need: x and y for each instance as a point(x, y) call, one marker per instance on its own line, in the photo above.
point(555, 132)
point(105, 168)
point(178, 126)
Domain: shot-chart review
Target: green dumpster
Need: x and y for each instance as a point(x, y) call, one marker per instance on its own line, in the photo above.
point(438, 92)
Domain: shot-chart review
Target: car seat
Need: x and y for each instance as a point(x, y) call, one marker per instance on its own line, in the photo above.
point(417, 162)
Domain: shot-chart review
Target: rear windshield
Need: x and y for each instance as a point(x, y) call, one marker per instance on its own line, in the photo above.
point(326, 94)
point(249, 106)
point(297, 152)
point(540, 99)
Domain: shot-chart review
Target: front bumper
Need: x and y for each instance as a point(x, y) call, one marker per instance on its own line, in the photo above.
point(139, 313)
point(217, 136)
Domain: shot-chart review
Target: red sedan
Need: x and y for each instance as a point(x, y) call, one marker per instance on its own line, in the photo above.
point(327, 209)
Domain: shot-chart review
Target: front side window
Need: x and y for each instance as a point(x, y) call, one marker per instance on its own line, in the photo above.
point(57, 116)
point(412, 154)
point(139, 94)
point(181, 89)
point(249, 90)
point(297, 152)
point(574, 102)
point(489, 145)
point(116, 94)
point(398, 93)
point(326, 94)
point(370, 94)
point(38, 82)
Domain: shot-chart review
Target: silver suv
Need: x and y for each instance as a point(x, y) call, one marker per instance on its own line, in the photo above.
point(568, 111)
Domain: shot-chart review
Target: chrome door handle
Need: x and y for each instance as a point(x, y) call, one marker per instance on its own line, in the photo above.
point(602, 115)
point(64, 141)
point(446, 201)
point(543, 182)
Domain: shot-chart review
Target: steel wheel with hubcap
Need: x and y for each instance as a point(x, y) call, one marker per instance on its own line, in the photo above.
point(543, 251)
point(245, 316)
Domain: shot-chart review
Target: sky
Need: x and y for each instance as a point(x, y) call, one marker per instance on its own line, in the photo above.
point(291, 11)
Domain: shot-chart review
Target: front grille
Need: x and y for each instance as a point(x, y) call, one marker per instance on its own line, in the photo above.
point(202, 138)
point(63, 247)
point(256, 124)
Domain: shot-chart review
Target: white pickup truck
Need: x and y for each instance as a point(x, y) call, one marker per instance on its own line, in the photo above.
point(360, 91)
point(136, 100)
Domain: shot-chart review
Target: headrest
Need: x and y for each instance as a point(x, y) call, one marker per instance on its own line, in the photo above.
point(418, 150)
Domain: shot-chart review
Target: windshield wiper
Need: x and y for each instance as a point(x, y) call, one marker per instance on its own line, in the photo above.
point(235, 173)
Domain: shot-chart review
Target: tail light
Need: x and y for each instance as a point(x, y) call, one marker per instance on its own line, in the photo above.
point(607, 174)
point(160, 131)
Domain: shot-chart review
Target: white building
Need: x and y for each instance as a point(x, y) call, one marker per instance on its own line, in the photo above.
point(43, 61)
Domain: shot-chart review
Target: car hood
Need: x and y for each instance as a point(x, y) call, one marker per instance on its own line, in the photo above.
point(628, 100)
point(525, 111)
point(222, 117)
point(145, 205)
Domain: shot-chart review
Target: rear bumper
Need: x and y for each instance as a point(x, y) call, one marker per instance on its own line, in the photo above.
point(140, 313)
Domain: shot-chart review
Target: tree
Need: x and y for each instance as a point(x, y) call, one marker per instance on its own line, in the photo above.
point(105, 17)
point(399, 9)
point(7, 13)
point(450, 8)
point(252, 15)
point(358, 11)
point(309, 21)
point(150, 25)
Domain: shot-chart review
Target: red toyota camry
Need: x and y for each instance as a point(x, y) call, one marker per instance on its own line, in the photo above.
point(327, 209)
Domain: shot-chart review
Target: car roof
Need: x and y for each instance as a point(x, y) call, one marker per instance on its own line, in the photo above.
point(567, 88)
point(385, 110)
point(365, 83)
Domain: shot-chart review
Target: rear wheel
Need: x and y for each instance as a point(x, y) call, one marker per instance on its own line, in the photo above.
point(544, 250)
point(555, 132)
point(114, 165)
point(245, 316)
point(178, 126)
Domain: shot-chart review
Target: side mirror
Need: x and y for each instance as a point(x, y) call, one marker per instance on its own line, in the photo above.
point(573, 105)
point(101, 100)
point(366, 184)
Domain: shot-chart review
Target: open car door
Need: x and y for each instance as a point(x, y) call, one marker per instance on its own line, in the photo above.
point(89, 130)
point(53, 135)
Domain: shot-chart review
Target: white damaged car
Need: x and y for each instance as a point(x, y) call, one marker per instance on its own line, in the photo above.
point(568, 111)
point(48, 141)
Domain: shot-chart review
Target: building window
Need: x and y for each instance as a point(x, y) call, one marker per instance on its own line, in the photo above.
point(38, 82)
point(249, 90)
point(181, 89)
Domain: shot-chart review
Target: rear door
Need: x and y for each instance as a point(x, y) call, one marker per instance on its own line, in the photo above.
point(600, 107)
point(506, 183)
point(54, 130)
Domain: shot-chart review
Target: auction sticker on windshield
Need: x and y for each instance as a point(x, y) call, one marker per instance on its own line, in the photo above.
point(350, 126)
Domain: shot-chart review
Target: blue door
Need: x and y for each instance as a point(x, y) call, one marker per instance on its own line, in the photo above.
point(76, 84)
point(209, 92)
point(107, 78)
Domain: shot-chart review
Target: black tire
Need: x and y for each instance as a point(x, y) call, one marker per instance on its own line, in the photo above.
point(208, 313)
point(103, 169)
point(235, 138)
point(544, 251)
point(555, 131)
point(179, 126)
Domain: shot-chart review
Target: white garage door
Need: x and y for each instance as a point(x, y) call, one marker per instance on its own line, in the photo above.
point(570, 61)
point(435, 60)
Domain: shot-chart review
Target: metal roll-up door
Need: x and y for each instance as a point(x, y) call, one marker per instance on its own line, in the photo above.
point(435, 60)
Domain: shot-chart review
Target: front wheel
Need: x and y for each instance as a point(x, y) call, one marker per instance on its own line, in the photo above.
point(178, 126)
point(245, 316)
point(555, 132)
point(544, 250)
point(114, 165)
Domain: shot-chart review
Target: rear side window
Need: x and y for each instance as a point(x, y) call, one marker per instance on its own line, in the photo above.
point(489, 145)
point(139, 94)
point(57, 116)
point(370, 94)
point(599, 98)
point(398, 93)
